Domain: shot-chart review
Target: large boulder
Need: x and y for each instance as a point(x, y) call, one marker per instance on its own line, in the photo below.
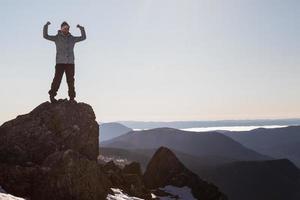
point(49, 128)
point(70, 176)
point(51, 153)
point(165, 169)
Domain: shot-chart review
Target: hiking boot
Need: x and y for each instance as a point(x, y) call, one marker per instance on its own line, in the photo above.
point(52, 99)
point(72, 100)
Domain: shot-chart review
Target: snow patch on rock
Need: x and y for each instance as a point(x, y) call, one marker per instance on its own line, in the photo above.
point(119, 195)
point(4, 196)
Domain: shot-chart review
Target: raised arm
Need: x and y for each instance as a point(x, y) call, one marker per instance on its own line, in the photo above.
point(45, 33)
point(83, 34)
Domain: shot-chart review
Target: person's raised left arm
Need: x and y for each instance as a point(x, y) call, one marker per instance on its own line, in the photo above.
point(83, 34)
point(45, 33)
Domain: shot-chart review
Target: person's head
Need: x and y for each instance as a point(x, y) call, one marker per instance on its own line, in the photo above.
point(64, 27)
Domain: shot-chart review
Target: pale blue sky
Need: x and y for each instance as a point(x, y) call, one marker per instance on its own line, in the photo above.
point(158, 59)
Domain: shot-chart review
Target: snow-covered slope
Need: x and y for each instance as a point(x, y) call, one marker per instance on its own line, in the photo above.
point(5, 196)
point(178, 193)
point(119, 195)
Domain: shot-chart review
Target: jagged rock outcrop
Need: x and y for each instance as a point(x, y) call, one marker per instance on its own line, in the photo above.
point(49, 128)
point(129, 178)
point(165, 169)
point(134, 179)
point(51, 153)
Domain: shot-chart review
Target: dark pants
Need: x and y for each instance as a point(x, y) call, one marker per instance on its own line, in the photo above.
point(59, 71)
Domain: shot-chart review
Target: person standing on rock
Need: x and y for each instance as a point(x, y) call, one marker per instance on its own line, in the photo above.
point(65, 43)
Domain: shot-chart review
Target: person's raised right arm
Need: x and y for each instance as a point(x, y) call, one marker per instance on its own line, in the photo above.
point(45, 33)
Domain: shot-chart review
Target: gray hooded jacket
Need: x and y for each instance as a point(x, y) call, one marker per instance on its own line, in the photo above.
point(64, 44)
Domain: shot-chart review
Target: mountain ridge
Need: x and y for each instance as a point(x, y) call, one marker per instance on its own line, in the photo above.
point(277, 142)
point(199, 144)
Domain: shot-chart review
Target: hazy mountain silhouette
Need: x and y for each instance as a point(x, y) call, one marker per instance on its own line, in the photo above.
point(197, 124)
point(277, 142)
point(112, 130)
point(195, 144)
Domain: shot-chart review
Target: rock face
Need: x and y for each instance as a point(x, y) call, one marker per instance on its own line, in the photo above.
point(20, 180)
point(69, 175)
point(51, 153)
point(49, 128)
point(165, 169)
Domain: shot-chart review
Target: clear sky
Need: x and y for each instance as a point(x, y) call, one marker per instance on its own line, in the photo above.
point(158, 59)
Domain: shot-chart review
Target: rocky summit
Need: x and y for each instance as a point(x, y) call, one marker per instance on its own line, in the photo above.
point(164, 169)
point(51, 154)
point(47, 129)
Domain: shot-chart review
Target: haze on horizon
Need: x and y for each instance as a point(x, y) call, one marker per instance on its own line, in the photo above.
point(158, 60)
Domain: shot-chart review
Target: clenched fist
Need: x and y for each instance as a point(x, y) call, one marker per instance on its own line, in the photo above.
point(78, 26)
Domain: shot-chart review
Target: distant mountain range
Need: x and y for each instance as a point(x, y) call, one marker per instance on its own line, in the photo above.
point(217, 123)
point(111, 130)
point(247, 180)
point(204, 144)
point(240, 163)
point(277, 142)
